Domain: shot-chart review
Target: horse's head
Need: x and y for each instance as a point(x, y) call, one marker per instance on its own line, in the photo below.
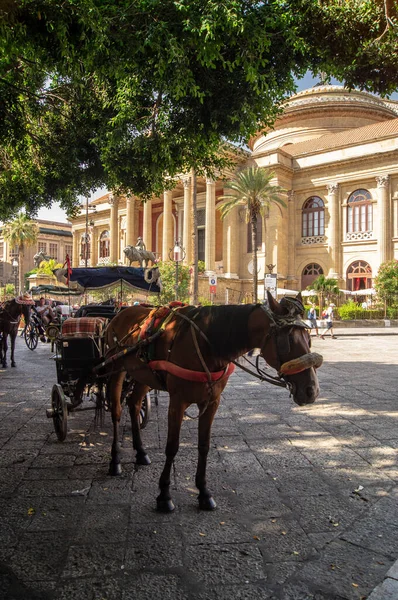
point(286, 347)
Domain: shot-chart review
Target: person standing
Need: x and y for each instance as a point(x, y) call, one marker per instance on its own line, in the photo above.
point(312, 319)
point(329, 322)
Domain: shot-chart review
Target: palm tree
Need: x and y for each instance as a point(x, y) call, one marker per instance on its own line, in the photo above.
point(324, 286)
point(21, 233)
point(251, 188)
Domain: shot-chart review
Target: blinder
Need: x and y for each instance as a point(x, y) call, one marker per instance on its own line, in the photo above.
point(281, 326)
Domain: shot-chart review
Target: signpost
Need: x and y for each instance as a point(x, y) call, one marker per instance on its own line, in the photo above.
point(270, 284)
point(213, 286)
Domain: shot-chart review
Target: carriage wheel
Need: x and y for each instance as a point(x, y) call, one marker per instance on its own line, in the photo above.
point(145, 410)
point(60, 414)
point(31, 336)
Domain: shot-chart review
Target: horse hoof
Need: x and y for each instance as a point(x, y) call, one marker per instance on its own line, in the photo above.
point(13, 365)
point(142, 459)
point(165, 506)
point(207, 503)
point(115, 469)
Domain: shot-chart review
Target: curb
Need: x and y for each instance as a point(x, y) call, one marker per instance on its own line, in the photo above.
point(388, 589)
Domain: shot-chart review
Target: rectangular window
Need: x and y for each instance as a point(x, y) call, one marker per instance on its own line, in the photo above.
point(53, 251)
point(322, 224)
point(259, 235)
point(68, 250)
point(316, 223)
point(356, 219)
point(349, 220)
point(42, 247)
point(14, 252)
point(305, 225)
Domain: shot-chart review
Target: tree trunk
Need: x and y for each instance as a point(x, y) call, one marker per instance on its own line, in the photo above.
point(254, 258)
point(193, 295)
point(21, 282)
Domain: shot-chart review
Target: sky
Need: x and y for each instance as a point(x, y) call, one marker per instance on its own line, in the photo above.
point(55, 213)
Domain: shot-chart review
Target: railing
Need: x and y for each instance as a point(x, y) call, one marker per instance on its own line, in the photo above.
point(355, 236)
point(313, 239)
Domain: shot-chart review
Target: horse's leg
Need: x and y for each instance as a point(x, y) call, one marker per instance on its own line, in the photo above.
point(13, 338)
point(176, 413)
point(134, 402)
point(115, 383)
point(206, 501)
point(5, 348)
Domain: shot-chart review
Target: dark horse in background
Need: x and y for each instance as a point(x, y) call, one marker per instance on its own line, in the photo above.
point(191, 359)
point(10, 316)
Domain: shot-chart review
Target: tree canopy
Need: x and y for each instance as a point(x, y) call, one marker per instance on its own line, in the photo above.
point(129, 93)
point(386, 281)
point(252, 189)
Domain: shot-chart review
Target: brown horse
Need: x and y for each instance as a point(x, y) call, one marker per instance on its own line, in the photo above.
point(10, 316)
point(198, 344)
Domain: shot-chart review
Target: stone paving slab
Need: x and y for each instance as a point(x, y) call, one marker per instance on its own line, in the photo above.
point(307, 496)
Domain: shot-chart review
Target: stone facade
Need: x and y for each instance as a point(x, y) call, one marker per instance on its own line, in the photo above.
point(54, 239)
point(335, 153)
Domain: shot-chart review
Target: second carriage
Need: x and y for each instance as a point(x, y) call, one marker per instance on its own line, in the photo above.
point(80, 348)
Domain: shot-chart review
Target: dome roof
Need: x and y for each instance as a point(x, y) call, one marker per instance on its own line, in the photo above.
point(320, 110)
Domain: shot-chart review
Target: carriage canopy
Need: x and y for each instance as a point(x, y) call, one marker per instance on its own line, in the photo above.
point(94, 278)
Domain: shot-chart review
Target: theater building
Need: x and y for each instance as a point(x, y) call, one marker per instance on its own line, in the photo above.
point(335, 153)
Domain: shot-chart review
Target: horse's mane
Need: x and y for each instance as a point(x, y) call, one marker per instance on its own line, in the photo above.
point(225, 328)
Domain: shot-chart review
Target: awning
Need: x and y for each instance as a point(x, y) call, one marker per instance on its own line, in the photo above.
point(94, 278)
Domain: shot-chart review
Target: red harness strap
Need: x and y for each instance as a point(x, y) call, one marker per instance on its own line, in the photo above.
point(187, 374)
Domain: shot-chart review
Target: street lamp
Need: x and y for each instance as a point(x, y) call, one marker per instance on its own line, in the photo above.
point(91, 223)
point(177, 254)
point(15, 273)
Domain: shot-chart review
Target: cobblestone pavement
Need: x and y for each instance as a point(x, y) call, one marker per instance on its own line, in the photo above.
point(307, 496)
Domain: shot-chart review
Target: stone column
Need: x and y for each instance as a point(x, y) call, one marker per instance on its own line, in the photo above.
point(94, 247)
point(168, 229)
point(291, 243)
point(231, 244)
point(334, 231)
point(384, 220)
point(75, 248)
point(210, 225)
point(130, 215)
point(147, 225)
point(186, 229)
point(114, 202)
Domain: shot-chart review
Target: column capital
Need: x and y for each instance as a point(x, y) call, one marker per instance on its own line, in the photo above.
point(290, 195)
point(186, 181)
point(382, 181)
point(210, 181)
point(113, 199)
point(332, 188)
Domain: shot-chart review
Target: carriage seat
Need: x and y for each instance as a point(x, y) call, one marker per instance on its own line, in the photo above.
point(80, 344)
point(83, 327)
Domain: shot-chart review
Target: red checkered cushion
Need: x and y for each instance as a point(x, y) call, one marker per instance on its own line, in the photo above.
point(83, 327)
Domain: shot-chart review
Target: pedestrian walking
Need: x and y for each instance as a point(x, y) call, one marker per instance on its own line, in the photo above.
point(329, 322)
point(311, 316)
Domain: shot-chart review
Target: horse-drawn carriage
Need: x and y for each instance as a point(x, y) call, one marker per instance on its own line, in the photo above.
point(80, 347)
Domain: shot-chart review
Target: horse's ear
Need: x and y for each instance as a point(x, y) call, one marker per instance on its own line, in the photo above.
point(274, 305)
point(299, 297)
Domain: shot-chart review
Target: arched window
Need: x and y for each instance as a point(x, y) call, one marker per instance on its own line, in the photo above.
point(85, 247)
point(104, 244)
point(313, 223)
point(359, 276)
point(360, 212)
point(310, 272)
